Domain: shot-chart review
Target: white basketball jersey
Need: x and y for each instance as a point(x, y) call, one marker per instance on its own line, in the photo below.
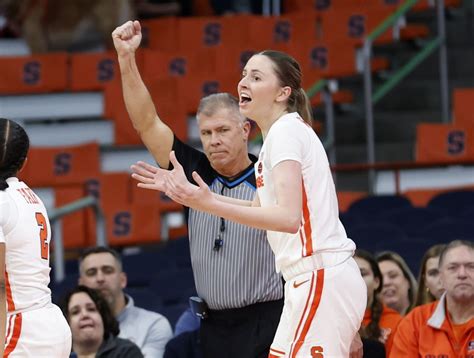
point(290, 138)
point(25, 229)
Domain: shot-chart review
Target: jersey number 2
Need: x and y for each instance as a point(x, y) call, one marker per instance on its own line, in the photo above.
point(41, 221)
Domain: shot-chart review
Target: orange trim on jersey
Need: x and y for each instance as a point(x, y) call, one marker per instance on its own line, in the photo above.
point(307, 225)
point(15, 336)
point(271, 355)
point(276, 351)
point(8, 289)
point(312, 312)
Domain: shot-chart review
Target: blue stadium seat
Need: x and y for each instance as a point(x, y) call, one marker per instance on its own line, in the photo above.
point(174, 286)
point(446, 230)
point(453, 202)
point(173, 312)
point(145, 298)
point(140, 267)
point(372, 236)
point(371, 206)
point(412, 220)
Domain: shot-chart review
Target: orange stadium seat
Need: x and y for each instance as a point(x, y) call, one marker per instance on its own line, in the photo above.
point(93, 71)
point(73, 225)
point(354, 24)
point(441, 142)
point(164, 204)
point(170, 104)
point(34, 74)
point(114, 109)
point(463, 98)
point(232, 59)
point(212, 32)
point(277, 32)
point(195, 87)
point(328, 60)
point(160, 65)
point(111, 189)
point(202, 8)
point(53, 166)
point(132, 224)
point(421, 197)
point(160, 34)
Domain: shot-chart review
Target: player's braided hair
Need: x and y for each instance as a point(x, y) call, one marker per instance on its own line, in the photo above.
point(14, 145)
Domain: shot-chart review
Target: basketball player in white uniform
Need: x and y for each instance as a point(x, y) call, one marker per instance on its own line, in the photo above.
point(35, 327)
point(325, 295)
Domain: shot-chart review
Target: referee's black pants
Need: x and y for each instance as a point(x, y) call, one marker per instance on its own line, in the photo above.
point(245, 332)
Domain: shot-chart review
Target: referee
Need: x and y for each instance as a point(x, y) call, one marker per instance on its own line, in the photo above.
point(234, 267)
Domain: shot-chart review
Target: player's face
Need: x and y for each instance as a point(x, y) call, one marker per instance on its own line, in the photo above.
point(432, 277)
point(84, 319)
point(259, 89)
point(457, 274)
point(395, 285)
point(102, 272)
point(370, 280)
point(224, 140)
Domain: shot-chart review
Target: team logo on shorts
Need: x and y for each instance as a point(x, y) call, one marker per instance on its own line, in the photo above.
point(470, 346)
point(260, 168)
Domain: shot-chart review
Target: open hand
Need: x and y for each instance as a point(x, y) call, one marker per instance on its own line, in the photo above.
point(149, 176)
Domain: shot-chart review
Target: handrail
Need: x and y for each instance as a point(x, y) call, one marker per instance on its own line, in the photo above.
point(372, 98)
point(316, 87)
point(406, 69)
point(55, 219)
point(391, 20)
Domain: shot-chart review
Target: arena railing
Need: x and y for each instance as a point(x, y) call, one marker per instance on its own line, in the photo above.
point(371, 97)
point(55, 218)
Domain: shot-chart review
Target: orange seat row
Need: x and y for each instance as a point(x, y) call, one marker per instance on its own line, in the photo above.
point(452, 141)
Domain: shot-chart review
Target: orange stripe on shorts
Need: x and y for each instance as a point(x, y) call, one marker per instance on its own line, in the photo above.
point(15, 336)
point(311, 314)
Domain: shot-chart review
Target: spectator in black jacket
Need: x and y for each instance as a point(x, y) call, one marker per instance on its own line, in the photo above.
point(94, 328)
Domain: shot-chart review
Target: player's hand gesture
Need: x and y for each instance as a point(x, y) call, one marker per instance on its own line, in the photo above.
point(127, 37)
point(179, 189)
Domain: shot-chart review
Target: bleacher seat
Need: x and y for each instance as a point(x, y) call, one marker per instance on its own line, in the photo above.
point(412, 220)
point(173, 286)
point(453, 202)
point(447, 230)
point(374, 237)
point(145, 298)
point(371, 206)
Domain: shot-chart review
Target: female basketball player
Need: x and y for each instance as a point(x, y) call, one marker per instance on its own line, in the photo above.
point(34, 326)
point(325, 295)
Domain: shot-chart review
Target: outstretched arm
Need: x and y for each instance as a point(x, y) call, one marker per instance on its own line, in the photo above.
point(284, 215)
point(154, 133)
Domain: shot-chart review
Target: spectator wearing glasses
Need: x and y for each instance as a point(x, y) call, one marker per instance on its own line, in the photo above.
point(443, 328)
point(234, 267)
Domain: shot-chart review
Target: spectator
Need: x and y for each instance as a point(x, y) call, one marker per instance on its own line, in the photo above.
point(101, 268)
point(234, 267)
point(380, 322)
point(73, 25)
point(229, 7)
point(148, 9)
point(429, 282)
point(399, 285)
point(94, 328)
point(443, 328)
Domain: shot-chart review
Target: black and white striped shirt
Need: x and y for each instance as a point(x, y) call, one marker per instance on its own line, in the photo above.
point(242, 271)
